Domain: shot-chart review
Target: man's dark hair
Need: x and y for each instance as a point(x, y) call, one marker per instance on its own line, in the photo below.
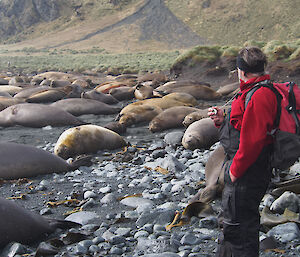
point(252, 59)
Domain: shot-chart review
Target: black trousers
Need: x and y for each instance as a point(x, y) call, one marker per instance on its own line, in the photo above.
point(240, 203)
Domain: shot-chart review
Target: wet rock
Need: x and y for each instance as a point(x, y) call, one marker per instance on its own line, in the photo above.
point(285, 232)
point(83, 217)
point(173, 138)
point(189, 239)
point(287, 200)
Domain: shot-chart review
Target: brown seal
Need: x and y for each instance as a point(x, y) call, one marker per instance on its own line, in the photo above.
point(87, 139)
point(170, 118)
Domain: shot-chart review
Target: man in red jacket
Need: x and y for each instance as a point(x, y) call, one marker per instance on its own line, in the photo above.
point(244, 136)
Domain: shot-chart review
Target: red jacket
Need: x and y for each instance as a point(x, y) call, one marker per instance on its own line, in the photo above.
point(253, 123)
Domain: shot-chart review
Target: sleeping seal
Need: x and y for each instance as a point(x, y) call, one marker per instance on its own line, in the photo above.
point(20, 225)
point(21, 161)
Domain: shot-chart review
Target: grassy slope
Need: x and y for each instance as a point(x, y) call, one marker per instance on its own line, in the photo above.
point(234, 22)
point(223, 22)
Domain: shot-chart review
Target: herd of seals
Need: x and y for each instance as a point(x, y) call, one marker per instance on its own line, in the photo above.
point(57, 99)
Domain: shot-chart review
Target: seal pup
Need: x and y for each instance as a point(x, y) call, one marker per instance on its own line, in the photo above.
point(32, 161)
point(87, 139)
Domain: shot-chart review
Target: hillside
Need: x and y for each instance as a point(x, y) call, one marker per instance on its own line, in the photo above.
point(142, 25)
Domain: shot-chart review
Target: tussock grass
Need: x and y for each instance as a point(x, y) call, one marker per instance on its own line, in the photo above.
point(79, 61)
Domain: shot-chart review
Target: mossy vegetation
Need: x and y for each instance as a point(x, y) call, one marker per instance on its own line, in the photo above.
point(68, 60)
point(30, 59)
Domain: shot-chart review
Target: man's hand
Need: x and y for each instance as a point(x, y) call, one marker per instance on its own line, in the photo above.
point(232, 177)
point(216, 114)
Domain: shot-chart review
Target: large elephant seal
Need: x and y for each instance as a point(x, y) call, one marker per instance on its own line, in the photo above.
point(81, 106)
point(227, 89)
point(194, 116)
point(87, 139)
point(46, 96)
point(27, 92)
point(95, 95)
point(12, 90)
point(20, 161)
point(170, 118)
point(9, 101)
point(200, 134)
point(163, 103)
point(122, 93)
point(18, 224)
point(36, 116)
point(214, 177)
point(138, 114)
point(200, 93)
point(182, 97)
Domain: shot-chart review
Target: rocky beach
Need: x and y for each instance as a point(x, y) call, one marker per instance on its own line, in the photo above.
point(123, 202)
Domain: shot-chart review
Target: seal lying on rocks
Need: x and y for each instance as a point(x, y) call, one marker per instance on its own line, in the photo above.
point(36, 116)
point(170, 118)
point(87, 139)
point(20, 161)
point(81, 106)
point(200, 134)
point(20, 225)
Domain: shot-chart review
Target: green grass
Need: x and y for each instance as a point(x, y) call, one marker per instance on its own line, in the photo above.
point(78, 61)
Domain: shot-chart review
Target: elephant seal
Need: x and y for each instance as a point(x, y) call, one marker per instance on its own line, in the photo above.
point(12, 90)
point(36, 116)
point(32, 161)
point(227, 89)
point(194, 116)
point(182, 97)
point(214, 177)
point(60, 83)
point(170, 118)
point(199, 92)
point(143, 91)
point(138, 114)
point(156, 77)
point(18, 224)
point(200, 134)
point(46, 96)
point(9, 101)
point(122, 93)
point(81, 106)
point(6, 94)
point(162, 103)
point(87, 139)
point(105, 87)
point(95, 95)
point(180, 84)
point(27, 92)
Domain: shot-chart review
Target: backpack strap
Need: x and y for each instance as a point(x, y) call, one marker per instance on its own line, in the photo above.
point(268, 84)
point(291, 108)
